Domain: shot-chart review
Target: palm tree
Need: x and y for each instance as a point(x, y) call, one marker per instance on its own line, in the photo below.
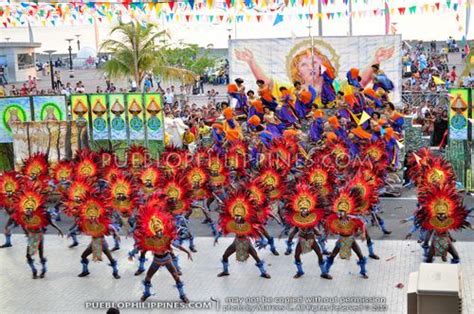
point(135, 53)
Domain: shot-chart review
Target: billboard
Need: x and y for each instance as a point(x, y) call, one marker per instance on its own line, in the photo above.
point(50, 108)
point(282, 61)
point(12, 110)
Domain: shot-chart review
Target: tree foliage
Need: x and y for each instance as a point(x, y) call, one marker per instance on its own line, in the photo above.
point(191, 57)
point(136, 52)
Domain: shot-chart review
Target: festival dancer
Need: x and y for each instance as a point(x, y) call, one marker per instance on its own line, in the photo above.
point(124, 201)
point(266, 96)
point(9, 187)
point(441, 211)
point(238, 217)
point(263, 213)
point(94, 220)
point(341, 223)
point(237, 92)
point(304, 215)
point(31, 214)
point(156, 232)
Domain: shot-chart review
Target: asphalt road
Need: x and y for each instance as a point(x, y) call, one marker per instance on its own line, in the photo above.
point(393, 210)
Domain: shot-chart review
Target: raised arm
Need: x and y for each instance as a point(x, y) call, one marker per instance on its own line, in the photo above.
point(247, 56)
point(381, 55)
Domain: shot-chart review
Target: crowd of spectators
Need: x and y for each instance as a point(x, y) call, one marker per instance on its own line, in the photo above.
point(425, 68)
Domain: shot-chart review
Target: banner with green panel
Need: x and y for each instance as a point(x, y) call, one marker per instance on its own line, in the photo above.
point(99, 121)
point(13, 109)
point(154, 117)
point(117, 115)
point(136, 120)
point(50, 108)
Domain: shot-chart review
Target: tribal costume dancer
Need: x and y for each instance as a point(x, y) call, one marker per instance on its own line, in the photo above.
point(9, 187)
point(148, 179)
point(72, 198)
point(377, 165)
point(340, 222)
point(321, 177)
point(304, 216)
point(156, 232)
point(263, 213)
point(94, 220)
point(239, 217)
point(31, 214)
point(124, 201)
point(441, 210)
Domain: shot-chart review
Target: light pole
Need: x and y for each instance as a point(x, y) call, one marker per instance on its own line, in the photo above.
point(71, 71)
point(51, 69)
point(78, 42)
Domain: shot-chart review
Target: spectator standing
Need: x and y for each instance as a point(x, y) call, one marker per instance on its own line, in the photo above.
point(169, 97)
point(452, 75)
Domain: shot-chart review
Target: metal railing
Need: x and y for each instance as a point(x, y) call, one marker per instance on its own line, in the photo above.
point(416, 99)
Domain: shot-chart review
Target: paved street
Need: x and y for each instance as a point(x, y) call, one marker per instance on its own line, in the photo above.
point(62, 292)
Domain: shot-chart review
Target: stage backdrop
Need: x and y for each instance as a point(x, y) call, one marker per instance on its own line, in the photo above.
point(49, 137)
point(285, 60)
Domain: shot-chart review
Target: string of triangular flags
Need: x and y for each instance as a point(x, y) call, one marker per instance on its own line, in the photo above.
point(203, 11)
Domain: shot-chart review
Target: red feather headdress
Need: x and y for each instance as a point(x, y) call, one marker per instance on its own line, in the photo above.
point(367, 194)
point(36, 166)
point(63, 171)
point(149, 179)
point(272, 182)
point(239, 147)
point(9, 183)
point(215, 164)
point(416, 160)
point(176, 194)
point(345, 200)
point(86, 164)
point(123, 195)
point(321, 177)
point(305, 211)
point(259, 199)
point(94, 216)
point(155, 228)
point(173, 160)
point(111, 172)
point(375, 150)
point(439, 171)
point(137, 157)
point(29, 211)
point(75, 195)
point(235, 162)
point(239, 205)
point(441, 209)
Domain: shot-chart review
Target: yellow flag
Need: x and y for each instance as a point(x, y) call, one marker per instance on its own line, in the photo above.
point(437, 80)
point(354, 117)
point(365, 116)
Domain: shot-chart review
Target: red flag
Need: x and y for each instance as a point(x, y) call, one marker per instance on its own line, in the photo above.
point(171, 4)
point(227, 2)
point(187, 17)
point(437, 5)
point(401, 10)
point(221, 17)
point(259, 17)
point(328, 14)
